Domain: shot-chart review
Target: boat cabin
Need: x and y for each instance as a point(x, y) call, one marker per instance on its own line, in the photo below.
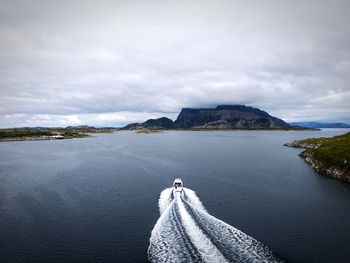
point(178, 185)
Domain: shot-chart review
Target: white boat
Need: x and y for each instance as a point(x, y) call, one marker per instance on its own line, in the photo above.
point(178, 185)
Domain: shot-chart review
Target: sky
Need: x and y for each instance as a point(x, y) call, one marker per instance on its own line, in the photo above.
point(110, 63)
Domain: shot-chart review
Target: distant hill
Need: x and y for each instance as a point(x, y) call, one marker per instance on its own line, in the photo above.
point(320, 124)
point(221, 117)
point(152, 124)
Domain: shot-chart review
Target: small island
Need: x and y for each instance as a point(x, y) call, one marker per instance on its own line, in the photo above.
point(46, 133)
point(327, 156)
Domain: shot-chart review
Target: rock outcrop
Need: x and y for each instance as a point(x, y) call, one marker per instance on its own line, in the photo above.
point(324, 169)
point(327, 156)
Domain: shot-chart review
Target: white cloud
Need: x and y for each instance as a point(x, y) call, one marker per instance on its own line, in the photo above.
point(74, 62)
point(109, 119)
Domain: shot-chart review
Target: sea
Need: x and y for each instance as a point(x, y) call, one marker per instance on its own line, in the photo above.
point(97, 199)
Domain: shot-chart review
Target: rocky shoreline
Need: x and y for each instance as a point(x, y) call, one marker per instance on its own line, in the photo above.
point(327, 156)
point(322, 168)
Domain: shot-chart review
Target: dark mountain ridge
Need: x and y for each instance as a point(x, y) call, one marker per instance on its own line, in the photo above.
point(228, 117)
point(220, 117)
point(152, 124)
point(312, 124)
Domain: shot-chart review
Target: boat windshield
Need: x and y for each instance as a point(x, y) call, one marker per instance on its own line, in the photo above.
point(177, 184)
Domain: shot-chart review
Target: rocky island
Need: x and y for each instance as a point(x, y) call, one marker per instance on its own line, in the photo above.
point(327, 156)
point(222, 117)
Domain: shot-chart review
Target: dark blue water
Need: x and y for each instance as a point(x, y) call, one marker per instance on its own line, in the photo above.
point(95, 199)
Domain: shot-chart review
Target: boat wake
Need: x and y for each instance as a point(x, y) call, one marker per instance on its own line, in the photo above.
point(186, 232)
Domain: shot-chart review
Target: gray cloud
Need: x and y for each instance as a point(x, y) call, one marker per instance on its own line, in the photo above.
point(111, 62)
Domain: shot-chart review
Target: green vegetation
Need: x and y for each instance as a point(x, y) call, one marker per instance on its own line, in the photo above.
point(12, 133)
point(148, 131)
point(73, 134)
point(333, 152)
point(43, 133)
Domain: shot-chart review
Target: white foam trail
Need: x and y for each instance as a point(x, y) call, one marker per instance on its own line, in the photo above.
point(208, 251)
point(165, 199)
point(186, 232)
point(192, 198)
point(168, 242)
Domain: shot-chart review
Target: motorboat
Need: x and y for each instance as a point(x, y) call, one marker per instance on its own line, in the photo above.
point(178, 185)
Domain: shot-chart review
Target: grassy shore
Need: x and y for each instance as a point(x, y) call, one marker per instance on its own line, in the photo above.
point(330, 156)
point(31, 135)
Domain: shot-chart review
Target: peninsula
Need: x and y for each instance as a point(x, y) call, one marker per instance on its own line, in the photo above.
point(222, 117)
point(327, 156)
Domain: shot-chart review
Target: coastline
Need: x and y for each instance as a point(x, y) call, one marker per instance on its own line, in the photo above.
point(157, 130)
point(41, 138)
point(327, 156)
point(50, 133)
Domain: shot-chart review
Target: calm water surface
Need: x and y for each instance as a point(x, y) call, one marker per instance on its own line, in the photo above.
point(95, 199)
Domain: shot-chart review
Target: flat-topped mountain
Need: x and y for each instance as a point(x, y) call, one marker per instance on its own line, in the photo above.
point(228, 117)
point(221, 117)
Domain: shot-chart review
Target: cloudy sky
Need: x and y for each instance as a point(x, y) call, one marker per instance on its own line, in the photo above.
point(114, 62)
